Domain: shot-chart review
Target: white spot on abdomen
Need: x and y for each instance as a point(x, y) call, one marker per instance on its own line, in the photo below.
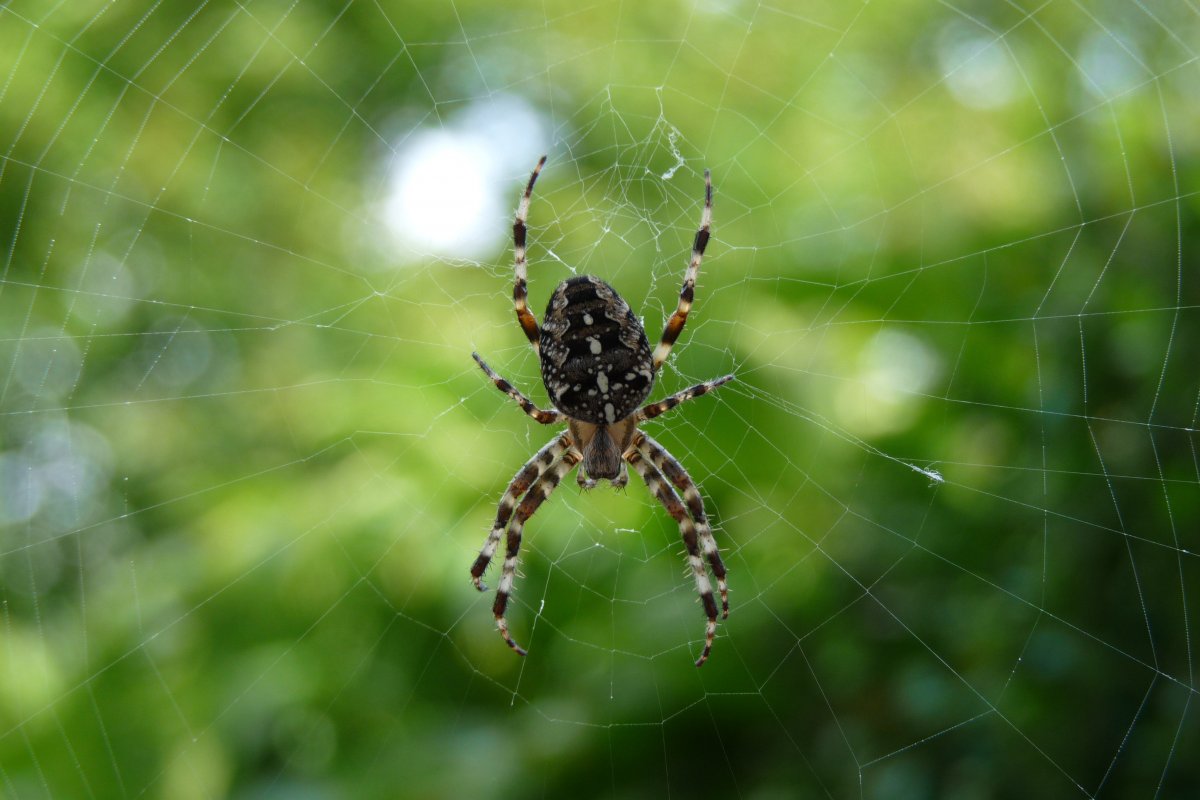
point(587, 319)
point(609, 414)
point(602, 382)
point(594, 343)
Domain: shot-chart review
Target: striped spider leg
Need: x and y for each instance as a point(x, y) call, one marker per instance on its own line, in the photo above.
point(669, 466)
point(520, 288)
point(532, 484)
point(656, 467)
point(687, 294)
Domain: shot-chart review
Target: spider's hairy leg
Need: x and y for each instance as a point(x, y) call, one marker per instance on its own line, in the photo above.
point(670, 501)
point(652, 410)
point(544, 417)
point(686, 295)
point(519, 485)
point(676, 474)
point(537, 493)
point(520, 289)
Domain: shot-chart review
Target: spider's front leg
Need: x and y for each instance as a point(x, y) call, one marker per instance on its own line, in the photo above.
point(687, 529)
point(674, 471)
point(537, 493)
point(526, 475)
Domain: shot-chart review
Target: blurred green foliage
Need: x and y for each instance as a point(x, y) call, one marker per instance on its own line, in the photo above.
point(246, 460)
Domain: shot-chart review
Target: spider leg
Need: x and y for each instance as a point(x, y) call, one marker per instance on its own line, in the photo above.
point(670, 500)
point(520, 290)
point(675, 473)
point(520, 484)
point(652, 410)
point(677, 320)
point(538, 492)
point(544, 417)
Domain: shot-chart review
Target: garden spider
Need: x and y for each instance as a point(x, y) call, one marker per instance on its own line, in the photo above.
point(597, 368)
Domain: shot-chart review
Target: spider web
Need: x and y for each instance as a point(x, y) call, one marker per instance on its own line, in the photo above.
point(246, 459)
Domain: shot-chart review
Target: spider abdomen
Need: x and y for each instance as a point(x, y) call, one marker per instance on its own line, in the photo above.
point(596, 362)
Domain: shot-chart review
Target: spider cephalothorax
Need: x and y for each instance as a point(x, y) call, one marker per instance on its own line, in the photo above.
point(597, 367)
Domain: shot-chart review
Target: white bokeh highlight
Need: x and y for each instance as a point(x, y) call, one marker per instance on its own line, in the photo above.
point(895, 371)
point(450, 191)
point(979, 72)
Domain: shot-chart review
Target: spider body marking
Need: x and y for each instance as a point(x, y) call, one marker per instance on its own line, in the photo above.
point(598, 368)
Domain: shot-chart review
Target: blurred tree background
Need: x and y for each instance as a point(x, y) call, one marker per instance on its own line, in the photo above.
point(246, 251)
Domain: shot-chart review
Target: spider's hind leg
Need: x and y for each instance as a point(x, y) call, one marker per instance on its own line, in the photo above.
point(687, 294)
point(520, 289)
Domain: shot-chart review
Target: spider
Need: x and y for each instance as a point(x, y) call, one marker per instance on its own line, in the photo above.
point(598, 368)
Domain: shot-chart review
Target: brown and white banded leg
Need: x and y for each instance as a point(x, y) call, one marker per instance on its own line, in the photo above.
point(657, 484)
point(519, 485)
point(540, 490)
point(686, 295)
point(544, 417)
point(520, 289)
point(676, 474)
point(652, 410)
